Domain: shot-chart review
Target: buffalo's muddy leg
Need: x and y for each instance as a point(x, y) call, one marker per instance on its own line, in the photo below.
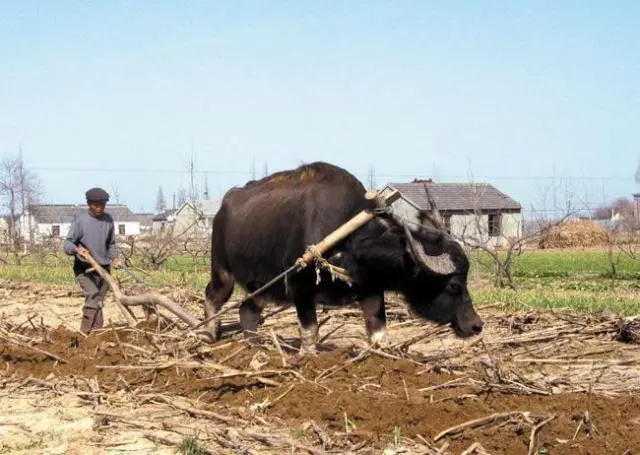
point(375, 318)
point(250, 312)
point(217, 292)
point(308, 324)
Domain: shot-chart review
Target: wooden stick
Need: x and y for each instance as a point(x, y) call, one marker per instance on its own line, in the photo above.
point(282, 395)
point(131, 322)
point(195, 411)
point(163, 301)
point(115, 334)
point(150, 297)
point(476, 446)
point(279, 348)
point(532, 439)
point(347, 228)
point(171, 440)
point(479, 422)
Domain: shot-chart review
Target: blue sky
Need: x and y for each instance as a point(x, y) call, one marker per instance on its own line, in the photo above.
point(118, 94)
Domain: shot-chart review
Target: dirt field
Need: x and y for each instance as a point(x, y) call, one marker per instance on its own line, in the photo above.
point(533, 383)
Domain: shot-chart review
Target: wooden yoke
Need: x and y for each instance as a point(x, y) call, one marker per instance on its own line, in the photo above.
point(350, 226)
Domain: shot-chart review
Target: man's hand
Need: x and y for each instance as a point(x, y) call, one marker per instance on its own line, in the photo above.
point(82, 251)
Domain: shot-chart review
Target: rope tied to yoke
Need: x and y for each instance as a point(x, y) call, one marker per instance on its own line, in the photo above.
point(323, 264)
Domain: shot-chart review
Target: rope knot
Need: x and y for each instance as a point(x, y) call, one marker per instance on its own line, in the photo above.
point(322, 264)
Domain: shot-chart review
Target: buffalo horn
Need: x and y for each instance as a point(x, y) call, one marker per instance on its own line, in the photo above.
point(440, 265)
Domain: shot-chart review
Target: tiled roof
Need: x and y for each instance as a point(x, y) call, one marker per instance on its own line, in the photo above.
point(457, 196)
point(205, 207)
point(163, 216)
point(66, 213)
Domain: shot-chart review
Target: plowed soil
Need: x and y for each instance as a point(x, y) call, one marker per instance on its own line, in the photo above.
point(370, 398)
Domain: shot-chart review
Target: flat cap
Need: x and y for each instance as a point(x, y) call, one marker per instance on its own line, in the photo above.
point(97, 194)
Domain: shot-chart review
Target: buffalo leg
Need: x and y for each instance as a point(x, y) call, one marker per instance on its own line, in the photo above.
point(306, 310)
point(250, 312)
point(375, 317)
point(218, 291)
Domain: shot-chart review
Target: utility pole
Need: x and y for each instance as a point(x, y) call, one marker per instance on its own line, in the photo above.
point(372, 178)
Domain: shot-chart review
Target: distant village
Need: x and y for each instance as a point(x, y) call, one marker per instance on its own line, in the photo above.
point(467, 210)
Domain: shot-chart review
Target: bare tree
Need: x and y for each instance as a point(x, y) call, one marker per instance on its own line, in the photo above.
point(623, 239)
point(629, 244)
point(499, 252)
point(484, 233)
point(621, 206)
point(206, 194)
point(19, 188)
point(605, 214)
point(116, 193)
point(190, 166)
point(161, 203)
point(181, 196)
point(152, 251)
point(372, 177)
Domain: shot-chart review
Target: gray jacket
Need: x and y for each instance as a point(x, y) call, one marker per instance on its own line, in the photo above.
point(96, 234)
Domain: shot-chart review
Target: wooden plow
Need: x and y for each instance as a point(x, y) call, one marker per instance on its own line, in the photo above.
point(152, 300)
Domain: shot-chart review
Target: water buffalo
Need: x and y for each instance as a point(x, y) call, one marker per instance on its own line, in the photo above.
point(264, 226)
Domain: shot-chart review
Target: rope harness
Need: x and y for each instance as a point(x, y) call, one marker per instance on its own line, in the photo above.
point(323, 264)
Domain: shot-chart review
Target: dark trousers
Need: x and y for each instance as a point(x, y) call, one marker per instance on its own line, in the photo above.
point(94, 289)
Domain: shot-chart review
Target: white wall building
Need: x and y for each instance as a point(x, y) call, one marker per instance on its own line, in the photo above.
point(163, 222)
point(195, 217)
point(52, 221)
point(476, 213)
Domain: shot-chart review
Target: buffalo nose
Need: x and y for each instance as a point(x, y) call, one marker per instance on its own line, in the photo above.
point(477, 327)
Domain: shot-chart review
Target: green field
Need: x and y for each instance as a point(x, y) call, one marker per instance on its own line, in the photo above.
point(575, 263)
point(573, 280)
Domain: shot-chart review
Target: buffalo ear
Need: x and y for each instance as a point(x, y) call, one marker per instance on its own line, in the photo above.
point(431, 220)
point(429, 252)
point(432, 241)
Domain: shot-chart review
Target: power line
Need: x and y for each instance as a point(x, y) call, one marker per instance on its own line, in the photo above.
point(136, 170)
point(378, 175)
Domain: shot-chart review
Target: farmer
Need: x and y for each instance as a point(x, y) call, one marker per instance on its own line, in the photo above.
point(92, 232)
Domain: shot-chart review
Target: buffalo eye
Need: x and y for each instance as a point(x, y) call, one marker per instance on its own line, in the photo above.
point(454, 288)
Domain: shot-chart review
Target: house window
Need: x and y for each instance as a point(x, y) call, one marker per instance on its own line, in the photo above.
point(55, 230)
point(121, 229)
point(495, 223)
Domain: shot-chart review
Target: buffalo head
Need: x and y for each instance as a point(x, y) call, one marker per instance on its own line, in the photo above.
point(436, 286)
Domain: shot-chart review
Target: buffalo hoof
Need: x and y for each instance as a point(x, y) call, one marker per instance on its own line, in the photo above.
point(252, 337)
point(214, 331)
point(213, 336)
point(308, 335)
point(308, 350)
point(380, 339)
